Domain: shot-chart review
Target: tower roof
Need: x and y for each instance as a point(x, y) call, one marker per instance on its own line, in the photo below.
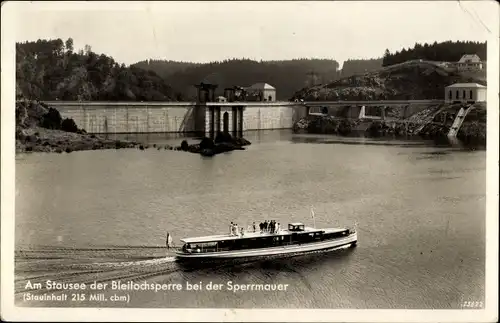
point(261, 86)
point(459, 85)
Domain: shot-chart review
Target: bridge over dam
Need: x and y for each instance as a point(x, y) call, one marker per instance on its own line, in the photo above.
point(210, 117)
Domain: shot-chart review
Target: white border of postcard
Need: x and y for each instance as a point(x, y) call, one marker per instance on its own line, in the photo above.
point(11, 313)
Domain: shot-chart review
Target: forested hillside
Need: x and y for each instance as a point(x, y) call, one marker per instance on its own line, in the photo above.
point(360, 66)
point(52, 70)
point(445, 52)
point(286, 76)
point(164, 68)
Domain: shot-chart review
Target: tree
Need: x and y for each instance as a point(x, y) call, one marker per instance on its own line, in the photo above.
point(87, 49)
point(69, 45)
point(69, 125)
point(386, 57)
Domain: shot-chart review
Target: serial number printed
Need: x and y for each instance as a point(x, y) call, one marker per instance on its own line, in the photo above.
point(472, 304)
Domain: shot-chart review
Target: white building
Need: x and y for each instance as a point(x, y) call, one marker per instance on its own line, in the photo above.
point(469, 62)
point(465, 93)
point(261, 92)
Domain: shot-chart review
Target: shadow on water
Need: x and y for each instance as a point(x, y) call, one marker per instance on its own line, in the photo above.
point(405, 142)
point(354, 138)
point(268, 264)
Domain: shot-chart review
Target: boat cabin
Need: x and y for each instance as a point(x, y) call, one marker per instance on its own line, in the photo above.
point(296, 227)
point(297, 233)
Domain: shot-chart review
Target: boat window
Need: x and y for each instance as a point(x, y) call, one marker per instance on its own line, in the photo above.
point(296, 227)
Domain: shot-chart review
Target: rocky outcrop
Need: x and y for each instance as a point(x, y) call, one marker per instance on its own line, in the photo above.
point(432, 123)
point(40, 128)
point(325, 125)
point(223, 143)
point(344, 127)
point(473, 132)
point(474, 128)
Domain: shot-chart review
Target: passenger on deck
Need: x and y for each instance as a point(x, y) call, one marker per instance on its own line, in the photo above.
point(236, 229)
point(278, 228)
point(254, 229)
point(231, 229)
point(261, 226)
point(242, 231)
point(265, 225)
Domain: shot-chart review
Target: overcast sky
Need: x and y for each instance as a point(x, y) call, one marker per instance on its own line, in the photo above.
point(210, 31)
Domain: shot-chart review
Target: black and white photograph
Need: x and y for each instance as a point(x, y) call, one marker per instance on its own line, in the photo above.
point(250, 161)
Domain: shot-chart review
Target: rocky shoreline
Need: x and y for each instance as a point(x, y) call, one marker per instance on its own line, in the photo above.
point(56, 141)
point(472, 131)
point(40, 128)
point(44, 140)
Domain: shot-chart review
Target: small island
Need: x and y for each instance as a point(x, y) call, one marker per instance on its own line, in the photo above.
point(223, 142)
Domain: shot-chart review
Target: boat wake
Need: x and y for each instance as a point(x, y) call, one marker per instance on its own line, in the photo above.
point(67, 265)
point(103, 265)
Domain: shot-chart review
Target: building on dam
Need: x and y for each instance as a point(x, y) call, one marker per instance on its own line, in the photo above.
point(465, 93)
point(261, 92)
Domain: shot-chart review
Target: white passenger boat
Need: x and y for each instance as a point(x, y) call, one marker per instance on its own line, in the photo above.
point(297, 239)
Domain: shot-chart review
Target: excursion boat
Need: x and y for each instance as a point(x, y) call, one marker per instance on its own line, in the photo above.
point(297, 239)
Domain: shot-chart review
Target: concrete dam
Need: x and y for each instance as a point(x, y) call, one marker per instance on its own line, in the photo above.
point(183, 117)
point(208, 115)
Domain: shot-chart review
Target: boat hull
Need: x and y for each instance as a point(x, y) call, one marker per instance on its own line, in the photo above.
point(288, 250)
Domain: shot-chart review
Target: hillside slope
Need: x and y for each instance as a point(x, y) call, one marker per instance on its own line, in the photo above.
point(52, 70)
point(287, 76)
point(447, 51)
point(412, 80)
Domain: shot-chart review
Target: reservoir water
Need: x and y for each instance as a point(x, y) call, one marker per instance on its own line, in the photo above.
point(103, 216)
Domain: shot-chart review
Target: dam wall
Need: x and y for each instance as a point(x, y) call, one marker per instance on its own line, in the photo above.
point(115, 117)
point(182, 117)
point(272, 115)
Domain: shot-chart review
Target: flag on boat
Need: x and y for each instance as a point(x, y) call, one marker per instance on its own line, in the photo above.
point(169, 240)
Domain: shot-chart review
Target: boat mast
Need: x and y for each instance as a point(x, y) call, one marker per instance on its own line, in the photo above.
point(312, 214)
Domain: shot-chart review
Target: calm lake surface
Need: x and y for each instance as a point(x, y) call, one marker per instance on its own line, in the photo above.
point(103, 216)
